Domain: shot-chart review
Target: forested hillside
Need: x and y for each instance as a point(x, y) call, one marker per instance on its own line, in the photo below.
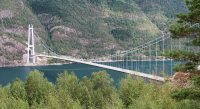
point(15, 16)
point(86, 28)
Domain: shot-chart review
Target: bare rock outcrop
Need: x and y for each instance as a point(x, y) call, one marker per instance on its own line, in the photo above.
point(181, 79)
point(6, 14)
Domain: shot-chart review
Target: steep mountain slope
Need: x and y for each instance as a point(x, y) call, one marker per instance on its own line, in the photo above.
point(85, 28)
point(161, 11)
point(90, 28)
point(14, 17)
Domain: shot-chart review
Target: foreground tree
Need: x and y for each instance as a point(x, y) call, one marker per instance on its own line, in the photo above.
point(67, 91)
point(85, 93)
point(17, 89)
point(104, 93)
point(130, 90)
point(188, 25)
point(37, 88)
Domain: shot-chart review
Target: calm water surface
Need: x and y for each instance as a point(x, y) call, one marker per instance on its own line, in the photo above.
point(9, 74)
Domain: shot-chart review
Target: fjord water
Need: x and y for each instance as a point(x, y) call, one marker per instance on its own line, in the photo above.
point(9, 74)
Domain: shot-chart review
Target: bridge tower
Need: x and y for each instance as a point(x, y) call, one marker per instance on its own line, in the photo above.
point(31, 58)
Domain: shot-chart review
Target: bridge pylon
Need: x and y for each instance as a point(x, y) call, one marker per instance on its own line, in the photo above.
point(31, 58)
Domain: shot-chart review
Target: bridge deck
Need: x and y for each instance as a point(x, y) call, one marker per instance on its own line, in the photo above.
point(149, 76)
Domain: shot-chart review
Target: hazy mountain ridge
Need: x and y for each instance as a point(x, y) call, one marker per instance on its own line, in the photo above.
point(84, 28)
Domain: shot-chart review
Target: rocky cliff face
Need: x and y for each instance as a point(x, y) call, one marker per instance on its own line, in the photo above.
point(84, 28)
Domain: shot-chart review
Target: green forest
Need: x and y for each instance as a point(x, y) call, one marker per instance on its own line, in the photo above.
point(95, 92)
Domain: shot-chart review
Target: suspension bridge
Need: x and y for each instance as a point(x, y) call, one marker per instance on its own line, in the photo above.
point(145, 60)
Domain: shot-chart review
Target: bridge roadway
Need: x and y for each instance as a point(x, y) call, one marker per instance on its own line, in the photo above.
point(144, 75)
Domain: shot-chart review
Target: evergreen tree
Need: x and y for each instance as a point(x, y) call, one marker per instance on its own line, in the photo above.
point(188, 25)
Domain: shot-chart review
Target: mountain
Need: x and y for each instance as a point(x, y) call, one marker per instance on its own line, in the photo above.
point(83, 28)
point(15, 15)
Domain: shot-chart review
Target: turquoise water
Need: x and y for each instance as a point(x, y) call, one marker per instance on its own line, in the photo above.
point(9, 74)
